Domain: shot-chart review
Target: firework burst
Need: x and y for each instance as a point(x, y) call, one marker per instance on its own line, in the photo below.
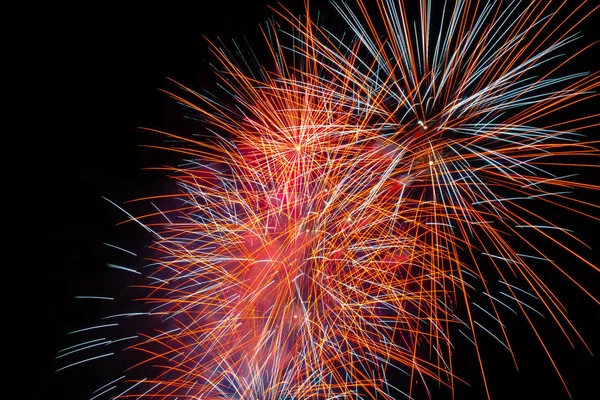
point(356, 197)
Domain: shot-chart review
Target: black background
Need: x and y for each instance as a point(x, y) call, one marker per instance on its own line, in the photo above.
point(101, 67)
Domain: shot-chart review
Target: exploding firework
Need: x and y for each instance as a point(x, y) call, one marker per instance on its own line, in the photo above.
point(354, 201)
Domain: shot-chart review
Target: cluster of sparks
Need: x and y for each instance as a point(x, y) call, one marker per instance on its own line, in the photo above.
point(354, 196)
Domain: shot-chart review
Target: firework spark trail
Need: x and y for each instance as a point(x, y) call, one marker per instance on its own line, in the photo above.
point(479, 75)
point(353, 199)
point(302, 252)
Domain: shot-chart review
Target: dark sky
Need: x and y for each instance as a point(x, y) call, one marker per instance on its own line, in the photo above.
point(103, 66)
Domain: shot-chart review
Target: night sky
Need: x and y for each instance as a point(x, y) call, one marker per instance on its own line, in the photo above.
point(104, 67)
